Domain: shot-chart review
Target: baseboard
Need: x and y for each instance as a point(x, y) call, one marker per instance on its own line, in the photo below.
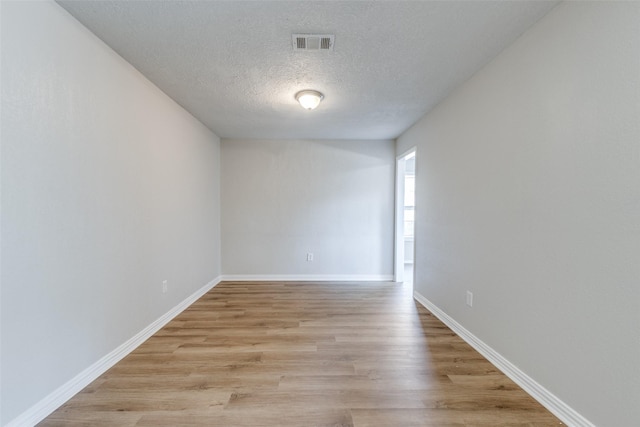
point(53, 401)
point(547, 399)
point(308, 278)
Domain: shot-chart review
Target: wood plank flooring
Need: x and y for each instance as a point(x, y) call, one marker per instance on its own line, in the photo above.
point(303, 354)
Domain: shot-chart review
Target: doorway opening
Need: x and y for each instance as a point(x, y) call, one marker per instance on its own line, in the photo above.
point(405, 217)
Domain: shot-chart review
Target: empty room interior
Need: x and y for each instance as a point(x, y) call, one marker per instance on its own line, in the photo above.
point(320, 213)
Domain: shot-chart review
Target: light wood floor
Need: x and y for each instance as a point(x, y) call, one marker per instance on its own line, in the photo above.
point(303, 354)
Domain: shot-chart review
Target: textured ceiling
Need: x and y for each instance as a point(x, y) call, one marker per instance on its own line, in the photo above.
point(231, 63)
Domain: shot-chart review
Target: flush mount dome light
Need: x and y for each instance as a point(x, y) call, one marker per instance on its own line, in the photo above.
point(309, 99)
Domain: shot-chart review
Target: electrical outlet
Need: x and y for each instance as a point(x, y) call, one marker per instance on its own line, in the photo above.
point(469, 298)
point(165, 287)
point(310, 256)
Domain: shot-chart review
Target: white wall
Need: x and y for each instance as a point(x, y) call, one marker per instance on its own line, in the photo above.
point(108, 188)
point(528, 194)
point(283, 199)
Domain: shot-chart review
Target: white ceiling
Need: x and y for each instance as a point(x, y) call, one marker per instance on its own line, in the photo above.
point(231, 63)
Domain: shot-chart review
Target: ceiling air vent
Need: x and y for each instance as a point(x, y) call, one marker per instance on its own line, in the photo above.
point(313, 41)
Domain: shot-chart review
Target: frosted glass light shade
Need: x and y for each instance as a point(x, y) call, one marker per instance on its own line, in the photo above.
point(309, 99)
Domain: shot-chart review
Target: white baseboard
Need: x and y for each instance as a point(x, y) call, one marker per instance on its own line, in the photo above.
point(308, 278)
point(547, 399)
point(58, 397)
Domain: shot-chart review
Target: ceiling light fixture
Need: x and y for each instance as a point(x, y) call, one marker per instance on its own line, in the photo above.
point(309, 99)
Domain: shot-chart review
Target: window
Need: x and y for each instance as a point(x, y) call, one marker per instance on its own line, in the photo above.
point(409, 205)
